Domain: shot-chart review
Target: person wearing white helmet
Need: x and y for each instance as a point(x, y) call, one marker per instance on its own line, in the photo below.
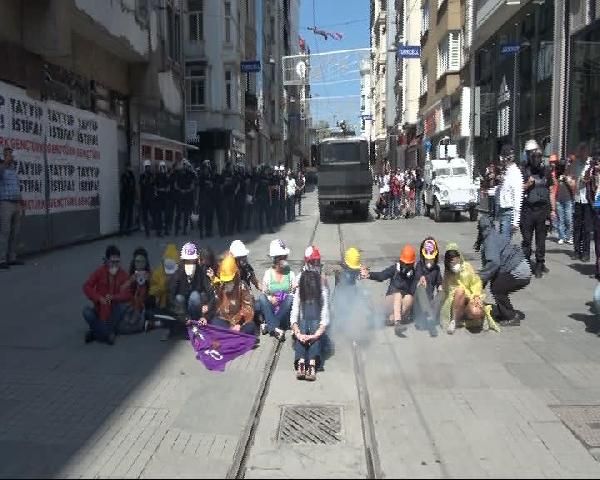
point(239, 251)
point(163, 200)
point(279, 283)
point(183, 186)
point(147, 197)
point(193, 293)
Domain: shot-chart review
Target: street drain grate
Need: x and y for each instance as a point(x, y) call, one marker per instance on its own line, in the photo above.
point(314, 424)
point(583, 421)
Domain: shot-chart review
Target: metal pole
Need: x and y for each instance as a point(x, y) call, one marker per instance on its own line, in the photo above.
point(515, 92)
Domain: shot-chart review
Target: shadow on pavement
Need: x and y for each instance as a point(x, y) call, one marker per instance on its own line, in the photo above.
point(587, 269)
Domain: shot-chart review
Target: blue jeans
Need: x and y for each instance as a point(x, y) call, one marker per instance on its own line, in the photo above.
point(308, 324)
point(281, 319)
point(101, 330)
point(505, 218)
point(194, 304)
point(564, 212)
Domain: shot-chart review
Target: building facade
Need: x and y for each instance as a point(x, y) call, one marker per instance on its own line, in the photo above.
point(441, 62)
point(81, 102)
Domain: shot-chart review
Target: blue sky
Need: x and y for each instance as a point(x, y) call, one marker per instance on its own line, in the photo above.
point(351, 18)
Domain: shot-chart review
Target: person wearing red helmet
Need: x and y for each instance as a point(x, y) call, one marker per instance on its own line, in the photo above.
point(401, 289)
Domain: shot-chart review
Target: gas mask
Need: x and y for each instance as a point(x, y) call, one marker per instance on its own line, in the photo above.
point(170, 266)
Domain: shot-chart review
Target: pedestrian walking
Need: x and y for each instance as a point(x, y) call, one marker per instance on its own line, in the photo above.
point(300, 186)
point(510, 193)
point(564, 205)
point(582, 211)
point(11, 210)
point(291, 196)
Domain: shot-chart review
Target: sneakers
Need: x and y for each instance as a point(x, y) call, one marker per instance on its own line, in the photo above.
point(451, 327)
point(89, 337)
point(399, 329)
point(570, 241)
point(263, 328)
point(561, 241)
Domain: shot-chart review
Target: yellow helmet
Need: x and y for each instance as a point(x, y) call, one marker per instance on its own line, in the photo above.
point(352, 258)
point(228, 269)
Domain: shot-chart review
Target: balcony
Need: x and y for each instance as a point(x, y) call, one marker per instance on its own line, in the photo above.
point(423, 100)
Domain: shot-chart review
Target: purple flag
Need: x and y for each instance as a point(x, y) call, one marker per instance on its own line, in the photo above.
point(216, 346)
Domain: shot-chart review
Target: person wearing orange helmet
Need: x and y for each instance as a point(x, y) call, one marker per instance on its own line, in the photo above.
point(401, 289)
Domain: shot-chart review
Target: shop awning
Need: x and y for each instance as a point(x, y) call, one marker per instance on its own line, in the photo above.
point(150, 137)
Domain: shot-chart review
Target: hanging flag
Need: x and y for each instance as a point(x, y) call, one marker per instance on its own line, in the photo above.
point(215, 346)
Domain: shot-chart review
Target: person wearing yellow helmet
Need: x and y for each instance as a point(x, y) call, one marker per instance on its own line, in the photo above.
point(235, 305)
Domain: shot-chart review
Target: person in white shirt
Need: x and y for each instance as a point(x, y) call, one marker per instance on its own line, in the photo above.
point(509, 196)
point(291, 196)
point(582, 211)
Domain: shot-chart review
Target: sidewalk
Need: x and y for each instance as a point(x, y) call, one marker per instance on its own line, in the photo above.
point(142, 408)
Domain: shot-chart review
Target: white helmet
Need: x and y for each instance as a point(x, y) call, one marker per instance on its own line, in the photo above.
point(147, 163)
point(194, 217)
point(162, 164)
point(189, 252)
point(238, 249)
point(278, 248)
point(531, 145)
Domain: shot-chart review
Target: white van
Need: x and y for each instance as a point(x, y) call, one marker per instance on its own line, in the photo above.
point(448, 188)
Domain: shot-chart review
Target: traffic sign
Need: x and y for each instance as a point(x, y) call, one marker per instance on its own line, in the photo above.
point(252, 66)
point(510, 48)
point(409, 51)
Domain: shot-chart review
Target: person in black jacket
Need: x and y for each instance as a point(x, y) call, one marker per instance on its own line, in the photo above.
point(162, 185)
point(193, 293)
point(147, 197)
point(127, 201)
point(401, 289)
point(429, 274)
point(503, 265)
point(183, 186)
point(206, 200)
point(537, 205)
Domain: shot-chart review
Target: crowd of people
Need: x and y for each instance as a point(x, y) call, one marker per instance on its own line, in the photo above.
point(183, 198)
point(400, 194)
point(194, 286)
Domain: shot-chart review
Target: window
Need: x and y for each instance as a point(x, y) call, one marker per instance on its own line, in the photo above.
point(228, 90)
point(196, 20)
point(158, 154)
point(383, 118)
point(425, 18)
point(344, 152)
point(177, 47)
point(170, 31)
point(146, 152)
point(169, 155)
point(424, 79)
point(449, 54)
point(196, 87)
point(273, 114)
point(272, 29)
point(227, 22)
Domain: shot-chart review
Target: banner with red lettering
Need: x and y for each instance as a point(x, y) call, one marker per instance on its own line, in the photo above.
point(22, 128)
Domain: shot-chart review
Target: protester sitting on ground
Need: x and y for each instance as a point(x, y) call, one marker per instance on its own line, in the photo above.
point(193, 293)
point(401, 289)
point(108, 289)
point(428, 293)
point(246, 272)
point(275, 301)
point(463, 295)
point(309, 319)
point(505, 267)
point(235, 304)
point(312, 263)
point(161, 286)
point(134, 318)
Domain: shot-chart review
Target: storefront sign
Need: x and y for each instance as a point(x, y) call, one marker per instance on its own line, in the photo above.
point(252, 66)
point(409, 51)
point(510, 48)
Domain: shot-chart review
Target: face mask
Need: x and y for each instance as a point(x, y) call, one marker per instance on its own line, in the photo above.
point(170, 267)
point(456, 268)
point(113, 270)
point(189, 269)
point(284, 265)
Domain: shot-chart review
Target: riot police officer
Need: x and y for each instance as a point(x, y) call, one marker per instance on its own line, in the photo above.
point(184, 189)
point(206, 199)
point(227, 199)
point(239, 199)
point(147, 197)
point(263, 200)
point(163, 199)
